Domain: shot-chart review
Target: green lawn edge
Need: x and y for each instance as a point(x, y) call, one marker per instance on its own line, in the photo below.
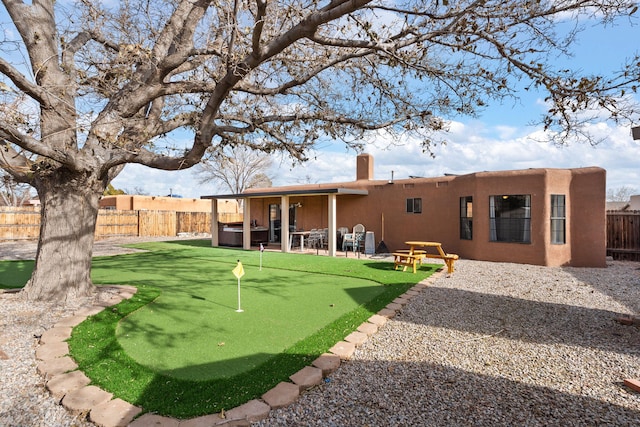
point(95, 348)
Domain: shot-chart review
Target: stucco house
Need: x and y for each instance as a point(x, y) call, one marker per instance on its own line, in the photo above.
point(551, 217)
point(161, 203)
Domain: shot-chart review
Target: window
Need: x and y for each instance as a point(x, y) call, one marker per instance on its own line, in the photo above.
point(466, 218)
point(510, 218)
point(558, 219)
point(414, 205)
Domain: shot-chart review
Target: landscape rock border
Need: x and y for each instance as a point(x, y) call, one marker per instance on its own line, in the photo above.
point(73, 390)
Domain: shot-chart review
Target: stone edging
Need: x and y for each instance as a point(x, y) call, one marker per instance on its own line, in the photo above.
point(72, 388)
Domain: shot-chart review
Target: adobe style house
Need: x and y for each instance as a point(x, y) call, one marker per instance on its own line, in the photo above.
point(551, 217)
point(159, 203)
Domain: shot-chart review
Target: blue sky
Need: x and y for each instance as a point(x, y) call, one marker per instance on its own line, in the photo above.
point(502, 138)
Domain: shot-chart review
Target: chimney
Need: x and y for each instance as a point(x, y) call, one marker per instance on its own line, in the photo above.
point(364, 167)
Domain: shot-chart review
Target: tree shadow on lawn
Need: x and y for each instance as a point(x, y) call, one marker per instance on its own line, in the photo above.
point(462, 395)
point(188, 304)
point(191, 328)
point(525, 320)
point(100, 355)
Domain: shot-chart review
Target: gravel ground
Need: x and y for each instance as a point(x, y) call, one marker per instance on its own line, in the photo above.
point(494, 345)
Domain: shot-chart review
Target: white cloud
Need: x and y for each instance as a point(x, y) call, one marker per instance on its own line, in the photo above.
point(470, 148)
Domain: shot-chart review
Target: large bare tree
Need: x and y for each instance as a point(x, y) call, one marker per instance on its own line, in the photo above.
point(13, 193)
point(88, 87)
point(235, 169)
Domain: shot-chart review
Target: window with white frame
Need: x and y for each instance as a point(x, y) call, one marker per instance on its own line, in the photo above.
point(510, 218)
point(558, 219)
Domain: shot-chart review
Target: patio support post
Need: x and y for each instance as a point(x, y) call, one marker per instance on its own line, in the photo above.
point(331, 217)
point(246, 224)
point(284, 223)
point(214, 223)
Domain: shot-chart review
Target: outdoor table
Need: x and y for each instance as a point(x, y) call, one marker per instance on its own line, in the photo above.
point(301, 235)
point(449, 259)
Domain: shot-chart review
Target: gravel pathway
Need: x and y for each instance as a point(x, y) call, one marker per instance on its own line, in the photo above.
point(494, 345)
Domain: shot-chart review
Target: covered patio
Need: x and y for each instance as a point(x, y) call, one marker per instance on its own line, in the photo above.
point(284, 196)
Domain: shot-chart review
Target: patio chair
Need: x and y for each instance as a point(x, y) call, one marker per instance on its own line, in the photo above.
point(359, 234)
point(354, 240)
point(315, 239)
point(348, 242)
point(325, 238)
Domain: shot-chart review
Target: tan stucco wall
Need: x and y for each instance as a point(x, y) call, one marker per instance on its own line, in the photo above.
point(134, 202)
point(584, 188)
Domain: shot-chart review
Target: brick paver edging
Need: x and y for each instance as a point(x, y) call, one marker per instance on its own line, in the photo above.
point(72, 388)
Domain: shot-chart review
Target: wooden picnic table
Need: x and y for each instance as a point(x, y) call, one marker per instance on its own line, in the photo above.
point(412, 256)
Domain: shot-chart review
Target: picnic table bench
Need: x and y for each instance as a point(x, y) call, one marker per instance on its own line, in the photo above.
point(410, 257)
point(406, 259)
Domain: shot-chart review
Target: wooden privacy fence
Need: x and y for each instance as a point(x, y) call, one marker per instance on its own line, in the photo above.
point(19, 223)
point(623, 235)
point(24, 223)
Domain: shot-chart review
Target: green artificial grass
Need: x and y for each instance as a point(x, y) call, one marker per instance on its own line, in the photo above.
point(179, 348)
point(14, 274)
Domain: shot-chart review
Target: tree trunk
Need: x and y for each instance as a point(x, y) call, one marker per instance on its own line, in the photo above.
point(69, 210)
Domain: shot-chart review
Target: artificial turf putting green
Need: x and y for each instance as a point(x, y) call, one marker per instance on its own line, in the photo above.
point(194, 332)
point(179, 348)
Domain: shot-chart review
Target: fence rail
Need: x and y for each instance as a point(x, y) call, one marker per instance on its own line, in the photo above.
point(623, 235)
point(24, 223)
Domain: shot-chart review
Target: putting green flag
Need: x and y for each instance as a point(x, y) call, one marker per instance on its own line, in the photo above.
point(239, 270)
